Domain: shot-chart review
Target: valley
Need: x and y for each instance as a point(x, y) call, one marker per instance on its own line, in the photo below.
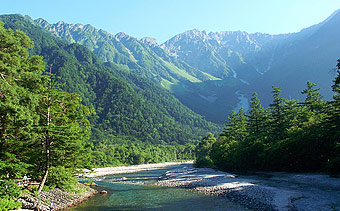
point(79, 103)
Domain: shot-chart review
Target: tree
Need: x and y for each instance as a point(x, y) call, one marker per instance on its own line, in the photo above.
point(236, 126)
point(203, 151)
point(39, 123)
point(21, 81)
point(64, 129)
point(276, 127)
point(313, 100)
point(256, 118)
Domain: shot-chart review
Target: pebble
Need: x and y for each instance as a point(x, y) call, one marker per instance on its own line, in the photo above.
point(252, 197)
point(55, 199)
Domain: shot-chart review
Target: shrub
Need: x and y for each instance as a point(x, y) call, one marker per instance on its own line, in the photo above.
point(10, 190)
point(9, 204)
point(62, 178)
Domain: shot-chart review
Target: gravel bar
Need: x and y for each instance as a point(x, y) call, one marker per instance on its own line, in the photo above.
point(262, 190)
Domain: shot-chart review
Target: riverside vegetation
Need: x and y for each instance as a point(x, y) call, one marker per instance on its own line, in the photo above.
point(287, 136)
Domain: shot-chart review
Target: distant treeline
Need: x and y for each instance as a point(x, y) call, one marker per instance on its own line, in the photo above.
point(107, 153)
point(287, 136)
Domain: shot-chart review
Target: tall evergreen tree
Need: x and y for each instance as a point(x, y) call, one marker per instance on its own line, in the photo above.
point(276, 121)
point(335, 109)
point(256, 118)
point(236, 126)
point(313, 100)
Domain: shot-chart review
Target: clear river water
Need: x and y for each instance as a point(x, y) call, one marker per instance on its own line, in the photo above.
point(136, 191)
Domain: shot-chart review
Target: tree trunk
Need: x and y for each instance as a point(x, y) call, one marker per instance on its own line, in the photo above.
point(47, 148)
point(47, 140)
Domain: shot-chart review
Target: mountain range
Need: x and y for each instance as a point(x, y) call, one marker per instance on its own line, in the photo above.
point(216, 72)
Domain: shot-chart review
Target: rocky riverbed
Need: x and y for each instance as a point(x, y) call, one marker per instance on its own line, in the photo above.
point(55, 199)
point(261, 190)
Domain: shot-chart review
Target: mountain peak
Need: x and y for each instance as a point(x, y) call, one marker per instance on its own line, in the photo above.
point(149, 40)
point(59, 23)
point(122, 35)
point(195, 32)
point(42, 22)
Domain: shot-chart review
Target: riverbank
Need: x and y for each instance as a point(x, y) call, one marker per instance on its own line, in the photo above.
point(260, 191)
point(100, 172)
point(56, 199)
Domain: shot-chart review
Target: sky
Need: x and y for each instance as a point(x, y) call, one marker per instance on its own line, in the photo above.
point(163, 19)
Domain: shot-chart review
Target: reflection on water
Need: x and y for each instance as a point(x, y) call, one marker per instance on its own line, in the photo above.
point(135, 191)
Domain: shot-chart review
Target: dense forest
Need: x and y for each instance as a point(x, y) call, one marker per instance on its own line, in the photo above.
point(287, 136)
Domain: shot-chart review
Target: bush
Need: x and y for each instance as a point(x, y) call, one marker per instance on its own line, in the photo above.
point(9, 204)
point(10, 190)
point(62, 178)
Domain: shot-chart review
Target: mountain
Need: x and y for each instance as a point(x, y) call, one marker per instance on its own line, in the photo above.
point(223, 54)
point(263, 60)
point(125, 103)
point(310, 54)
point(146, 58)
point(214, 73)
point(143, 56)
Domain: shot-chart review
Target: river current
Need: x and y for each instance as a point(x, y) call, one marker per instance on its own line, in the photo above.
point(136, 191)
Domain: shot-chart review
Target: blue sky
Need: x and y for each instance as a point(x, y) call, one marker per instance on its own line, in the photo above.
point(163, 19)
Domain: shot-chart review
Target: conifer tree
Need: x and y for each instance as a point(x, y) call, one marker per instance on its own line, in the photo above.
point(313, 100)
point(256, 118)
point(236, 126)
point(276, 121)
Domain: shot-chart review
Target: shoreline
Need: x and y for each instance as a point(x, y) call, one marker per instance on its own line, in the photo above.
point(56, 199)
point(260, 191)
point(100, 172)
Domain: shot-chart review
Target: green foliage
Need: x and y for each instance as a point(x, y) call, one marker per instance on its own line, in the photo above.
point(286, 136)
point(108, 153)
point(9, 204)
point(62, 178)
point(203, 151)
point(10, 190)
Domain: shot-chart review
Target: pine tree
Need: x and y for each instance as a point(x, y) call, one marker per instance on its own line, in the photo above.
point(236, 126)
point(313, 100)
point(276, 121)
point(256, 118)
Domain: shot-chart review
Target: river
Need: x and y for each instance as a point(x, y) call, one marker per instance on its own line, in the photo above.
point(136, 191)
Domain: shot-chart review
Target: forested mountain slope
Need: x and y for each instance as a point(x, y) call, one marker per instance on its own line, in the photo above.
point(143, 56)
point(214, 73)
point(125, 104)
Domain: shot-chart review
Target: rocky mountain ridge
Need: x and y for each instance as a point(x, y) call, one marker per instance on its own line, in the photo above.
point(201, 66)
